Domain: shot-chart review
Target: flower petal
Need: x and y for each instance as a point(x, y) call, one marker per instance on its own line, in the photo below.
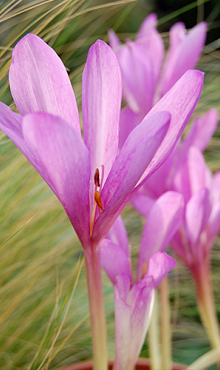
point(61, 158)
point(10, 124)
point(134, 157)
point(191, 175)
point(153, 42)
point(140, 318)
point(122, 322)
point(183, 54)
point(118, 235)
point(114, 260)
point(180, 101)
point(198, 210)
point(142, 203)
point(201, 131)
point(101, 104)
point(159, 266)
point(128, 121)
point(131, 320)
point(163, 221)
point(39, 81)
point(138, 86)
point(113, 39)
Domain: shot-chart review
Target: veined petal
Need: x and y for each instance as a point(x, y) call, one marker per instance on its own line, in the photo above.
point(118, 235)
point(114, 261)
point(131, 162)
point(153, 42)
point(159, 266)
point(201, 131)
point(184, 55)
point(62, 159)
point(39, 81)
point(198, 210)
point(163, 221)
point(180, 101)
point(101, 104)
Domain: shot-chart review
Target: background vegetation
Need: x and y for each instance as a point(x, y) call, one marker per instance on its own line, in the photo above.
point(44, 316)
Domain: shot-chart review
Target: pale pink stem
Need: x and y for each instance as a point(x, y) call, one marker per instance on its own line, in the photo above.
point(96, 304)
point(205, 299)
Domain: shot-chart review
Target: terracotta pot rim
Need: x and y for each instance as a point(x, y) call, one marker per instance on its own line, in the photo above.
point(87, 365)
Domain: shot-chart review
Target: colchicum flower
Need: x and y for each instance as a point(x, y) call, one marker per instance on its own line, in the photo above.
point(161, 181)
point(134, 298)
point(92, 183)
point(151, 78)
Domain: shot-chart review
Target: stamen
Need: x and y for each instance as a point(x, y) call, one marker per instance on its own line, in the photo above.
point(144, 269)
point(98, 200)
point(96, 178)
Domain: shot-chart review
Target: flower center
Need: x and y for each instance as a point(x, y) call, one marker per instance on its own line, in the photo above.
point(97, 198)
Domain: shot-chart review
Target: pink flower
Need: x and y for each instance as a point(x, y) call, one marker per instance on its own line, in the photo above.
point(134, 300)
point(151, 78)
point(91, 182)
point(161, 181)
point(201, 223)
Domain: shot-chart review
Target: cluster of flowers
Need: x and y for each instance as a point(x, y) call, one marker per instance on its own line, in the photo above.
point(131, 155)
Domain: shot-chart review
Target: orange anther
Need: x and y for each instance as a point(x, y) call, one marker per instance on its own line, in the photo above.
point(98, 200)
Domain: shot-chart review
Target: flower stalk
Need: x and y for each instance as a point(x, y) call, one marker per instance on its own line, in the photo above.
point(165, 325)
point(96, 304)
point(205, 300)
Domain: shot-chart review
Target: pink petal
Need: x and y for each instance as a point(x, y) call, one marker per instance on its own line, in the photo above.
point(183, 54)
point(134, 157)
point(39, 81)
point(118, 235)
point(159, 266)
point(198, 210)
point(114, 260)
point(214, 224)
point(122, 322)
point(153, 42)
point(101, 104)
point(191, 175)
point(113, 39)
point(10, 124)
point(142, 203)
point(215, 188)
point(140, 318)
point(180, 101)
point(163, 221)
point(132, 316)
point(159, 181)
point(179, 245)
point(60, 156)
point(128, 121)
point(201, 131)
point(138, 86)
